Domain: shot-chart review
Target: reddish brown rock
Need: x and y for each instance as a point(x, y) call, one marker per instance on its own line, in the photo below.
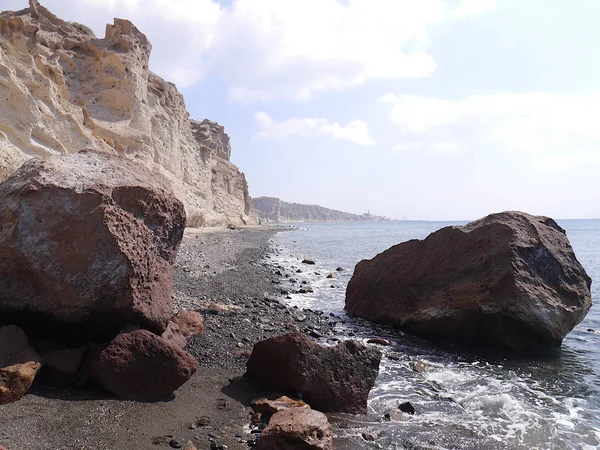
point(508, 280)
point(266, 407)
point(297, 429)
point(87, 243)
point(139, 365)
point(61, 365)
point(380, 341)
point(330, 379)
point(19, 364)
point(174, 336)
point(190, 323)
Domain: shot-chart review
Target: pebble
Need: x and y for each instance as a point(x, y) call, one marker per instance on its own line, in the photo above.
point(368, 436)
point(174, 443)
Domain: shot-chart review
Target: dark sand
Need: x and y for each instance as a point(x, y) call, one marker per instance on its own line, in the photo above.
point(219, 266)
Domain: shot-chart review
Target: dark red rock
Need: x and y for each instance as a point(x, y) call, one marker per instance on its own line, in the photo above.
point(508, 280)
point(174, 336)
point(87, 242)
point(139, 365)
point(330, 379)
point(61, 365)
point(380, 341)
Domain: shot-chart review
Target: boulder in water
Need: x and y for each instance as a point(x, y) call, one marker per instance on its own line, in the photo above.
point(508, 280)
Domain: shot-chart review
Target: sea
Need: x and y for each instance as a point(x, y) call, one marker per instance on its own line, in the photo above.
point(463, 400)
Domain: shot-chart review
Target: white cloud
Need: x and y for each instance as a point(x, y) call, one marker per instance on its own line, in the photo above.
point(356, 131)
point(271, 49)
point(471, 8)
point(555, 129)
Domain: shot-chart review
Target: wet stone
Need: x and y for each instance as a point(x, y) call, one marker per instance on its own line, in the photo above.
point(407, 407)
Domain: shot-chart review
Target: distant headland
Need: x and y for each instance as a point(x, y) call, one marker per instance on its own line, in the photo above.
point(275, 210)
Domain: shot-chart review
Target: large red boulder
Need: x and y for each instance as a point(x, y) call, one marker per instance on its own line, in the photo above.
point(331, 379)
point(509, 280)
point(19, 364)
point(87, 241)
point(139, 365)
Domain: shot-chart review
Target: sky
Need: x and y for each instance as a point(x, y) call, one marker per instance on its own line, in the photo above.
point(411, 109)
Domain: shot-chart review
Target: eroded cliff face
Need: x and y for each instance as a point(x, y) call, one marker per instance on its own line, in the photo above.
point(63, 90)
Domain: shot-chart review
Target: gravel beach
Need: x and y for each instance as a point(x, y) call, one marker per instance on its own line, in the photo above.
point(221, 273)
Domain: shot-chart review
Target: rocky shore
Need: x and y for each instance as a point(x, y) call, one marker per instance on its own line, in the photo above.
point(221, 273)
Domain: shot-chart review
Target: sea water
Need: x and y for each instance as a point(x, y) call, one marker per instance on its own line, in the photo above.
point(463, 400)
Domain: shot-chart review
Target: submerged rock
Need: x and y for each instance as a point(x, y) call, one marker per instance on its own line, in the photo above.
point(297, 429)
point(87, 243)
point(331, 379)
point(19, 364)
point(508, 280)
point(139, 365)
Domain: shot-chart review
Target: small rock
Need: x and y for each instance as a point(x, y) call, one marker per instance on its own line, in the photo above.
point(174, 443)
point(266, 408)
point(308, 261)
point(330, 275)
point(213, 435)
point(231, 226)
point(191, 323)
point(406, 407)
point(394, 415)
point(418, 366)
point(368, 436)
point(297, 428)
point(379, 341)
point(340, 269)
point(203, 421)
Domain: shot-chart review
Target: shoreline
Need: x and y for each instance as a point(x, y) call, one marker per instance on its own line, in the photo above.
point(223, 274)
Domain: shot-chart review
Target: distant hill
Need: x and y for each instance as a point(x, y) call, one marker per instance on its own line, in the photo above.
point(272, 209)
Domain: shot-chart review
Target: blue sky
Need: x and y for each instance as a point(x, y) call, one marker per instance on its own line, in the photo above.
point(425, 109)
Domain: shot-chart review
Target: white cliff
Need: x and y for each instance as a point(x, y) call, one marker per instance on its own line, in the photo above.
point(63, 90)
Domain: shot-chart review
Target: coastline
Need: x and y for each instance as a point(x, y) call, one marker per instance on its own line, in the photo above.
point(224, 274)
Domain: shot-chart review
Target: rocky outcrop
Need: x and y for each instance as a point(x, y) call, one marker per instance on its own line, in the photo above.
point(272, 209)
point(507, 280)
point(139, 365)
point(330, 379)
point(19, 364)
point(212, 136)
point(87, 244)
point(297, 429)
point(63, 90)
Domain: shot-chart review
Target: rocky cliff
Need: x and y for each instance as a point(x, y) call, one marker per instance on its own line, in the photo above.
point(64, 90)
point(272, 209)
